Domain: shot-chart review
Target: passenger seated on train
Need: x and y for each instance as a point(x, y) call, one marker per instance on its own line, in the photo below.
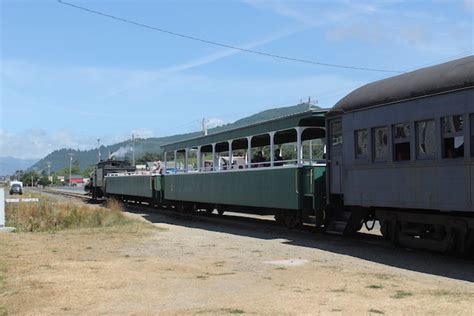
point(278, 157)
point(224, 164)
point(208, 166)
point(453, 150)
point(402, 152)
point(258, 160)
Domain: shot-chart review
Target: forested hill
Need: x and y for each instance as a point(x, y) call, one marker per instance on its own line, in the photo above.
point(60, 158)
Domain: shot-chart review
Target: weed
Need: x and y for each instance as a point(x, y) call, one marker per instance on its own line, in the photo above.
point(374, 286)
point(280, 268)
point(232, 311)
point(401, 294)
point(339, 290)
point(383, 276)
point(375, 311)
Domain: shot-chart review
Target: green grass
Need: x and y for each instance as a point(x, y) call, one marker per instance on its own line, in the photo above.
point(3, 273)
point(52, 216)
point(233, 311)
point(402, 294)
point(383, 276)
point(280, 268)
point(3, 286)
point(374, 286)
point(339, 290)
point(375, 311)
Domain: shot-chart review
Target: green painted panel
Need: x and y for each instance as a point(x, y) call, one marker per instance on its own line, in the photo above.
point(130, 185)
point(269, 188)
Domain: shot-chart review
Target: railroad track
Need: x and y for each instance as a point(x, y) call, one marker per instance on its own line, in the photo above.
point(82, 196)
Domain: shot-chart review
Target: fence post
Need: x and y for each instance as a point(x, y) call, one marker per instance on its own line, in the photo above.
point(2, 207)
point(2, 213)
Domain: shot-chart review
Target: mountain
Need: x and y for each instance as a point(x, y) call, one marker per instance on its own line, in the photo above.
point(8, 165)
point(60, 158)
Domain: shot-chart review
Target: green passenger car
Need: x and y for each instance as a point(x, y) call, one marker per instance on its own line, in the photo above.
point(272, 167)
point(282, 188)
point(140, 186)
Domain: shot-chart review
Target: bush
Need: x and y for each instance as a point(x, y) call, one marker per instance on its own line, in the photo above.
point(50, 216)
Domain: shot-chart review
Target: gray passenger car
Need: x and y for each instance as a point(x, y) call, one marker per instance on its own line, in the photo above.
point(401, 150)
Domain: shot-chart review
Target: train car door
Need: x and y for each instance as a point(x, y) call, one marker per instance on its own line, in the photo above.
point(335, 158)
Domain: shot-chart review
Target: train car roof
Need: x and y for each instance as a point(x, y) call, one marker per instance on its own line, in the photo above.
point(306, 118)
point(453, 75)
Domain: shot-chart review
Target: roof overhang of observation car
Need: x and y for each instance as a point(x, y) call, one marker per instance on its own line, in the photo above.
point(454, 75)
point(312, 118)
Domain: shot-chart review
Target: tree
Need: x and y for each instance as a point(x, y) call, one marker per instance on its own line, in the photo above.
point(44, 181)
point(87, 171)
point(30, 178)
point(75, 167)
point(148, 157)
point(17, 176)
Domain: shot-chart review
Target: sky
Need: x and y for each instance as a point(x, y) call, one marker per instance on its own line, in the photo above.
point(69, 77)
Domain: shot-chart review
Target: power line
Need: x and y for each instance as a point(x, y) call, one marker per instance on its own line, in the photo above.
point(189, 37)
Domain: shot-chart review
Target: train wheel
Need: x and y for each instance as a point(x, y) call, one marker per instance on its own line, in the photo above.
point(220, 211)
point(389, 231)
point(470, 243)
point(209, 210)
point(279, 218)
point(181, 208)
point(291, 219)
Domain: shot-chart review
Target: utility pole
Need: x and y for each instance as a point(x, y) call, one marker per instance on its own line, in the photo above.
point(49, 171)
point(70, 167)
point(133, 149)
point(204, 126)
point(98, 149)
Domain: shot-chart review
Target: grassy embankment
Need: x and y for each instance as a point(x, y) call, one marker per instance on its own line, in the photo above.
point(48, 216)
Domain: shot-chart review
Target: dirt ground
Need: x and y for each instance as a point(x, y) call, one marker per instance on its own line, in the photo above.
point(212, 265)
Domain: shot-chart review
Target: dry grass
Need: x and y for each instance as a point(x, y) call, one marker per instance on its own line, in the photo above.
point(52, 216)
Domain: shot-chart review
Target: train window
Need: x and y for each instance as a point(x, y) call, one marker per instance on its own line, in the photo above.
point(401, 142)
point(472, 135)
point(336, 132)
point(425, 139)
point(453, 136)
point(380, 137)
point(361, 143)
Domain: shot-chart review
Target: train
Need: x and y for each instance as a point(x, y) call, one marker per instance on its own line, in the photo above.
point(399, 151)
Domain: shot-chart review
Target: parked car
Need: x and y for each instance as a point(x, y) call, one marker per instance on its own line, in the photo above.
point(16, 189)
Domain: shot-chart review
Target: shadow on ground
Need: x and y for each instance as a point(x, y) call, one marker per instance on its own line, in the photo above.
point(363, 246)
